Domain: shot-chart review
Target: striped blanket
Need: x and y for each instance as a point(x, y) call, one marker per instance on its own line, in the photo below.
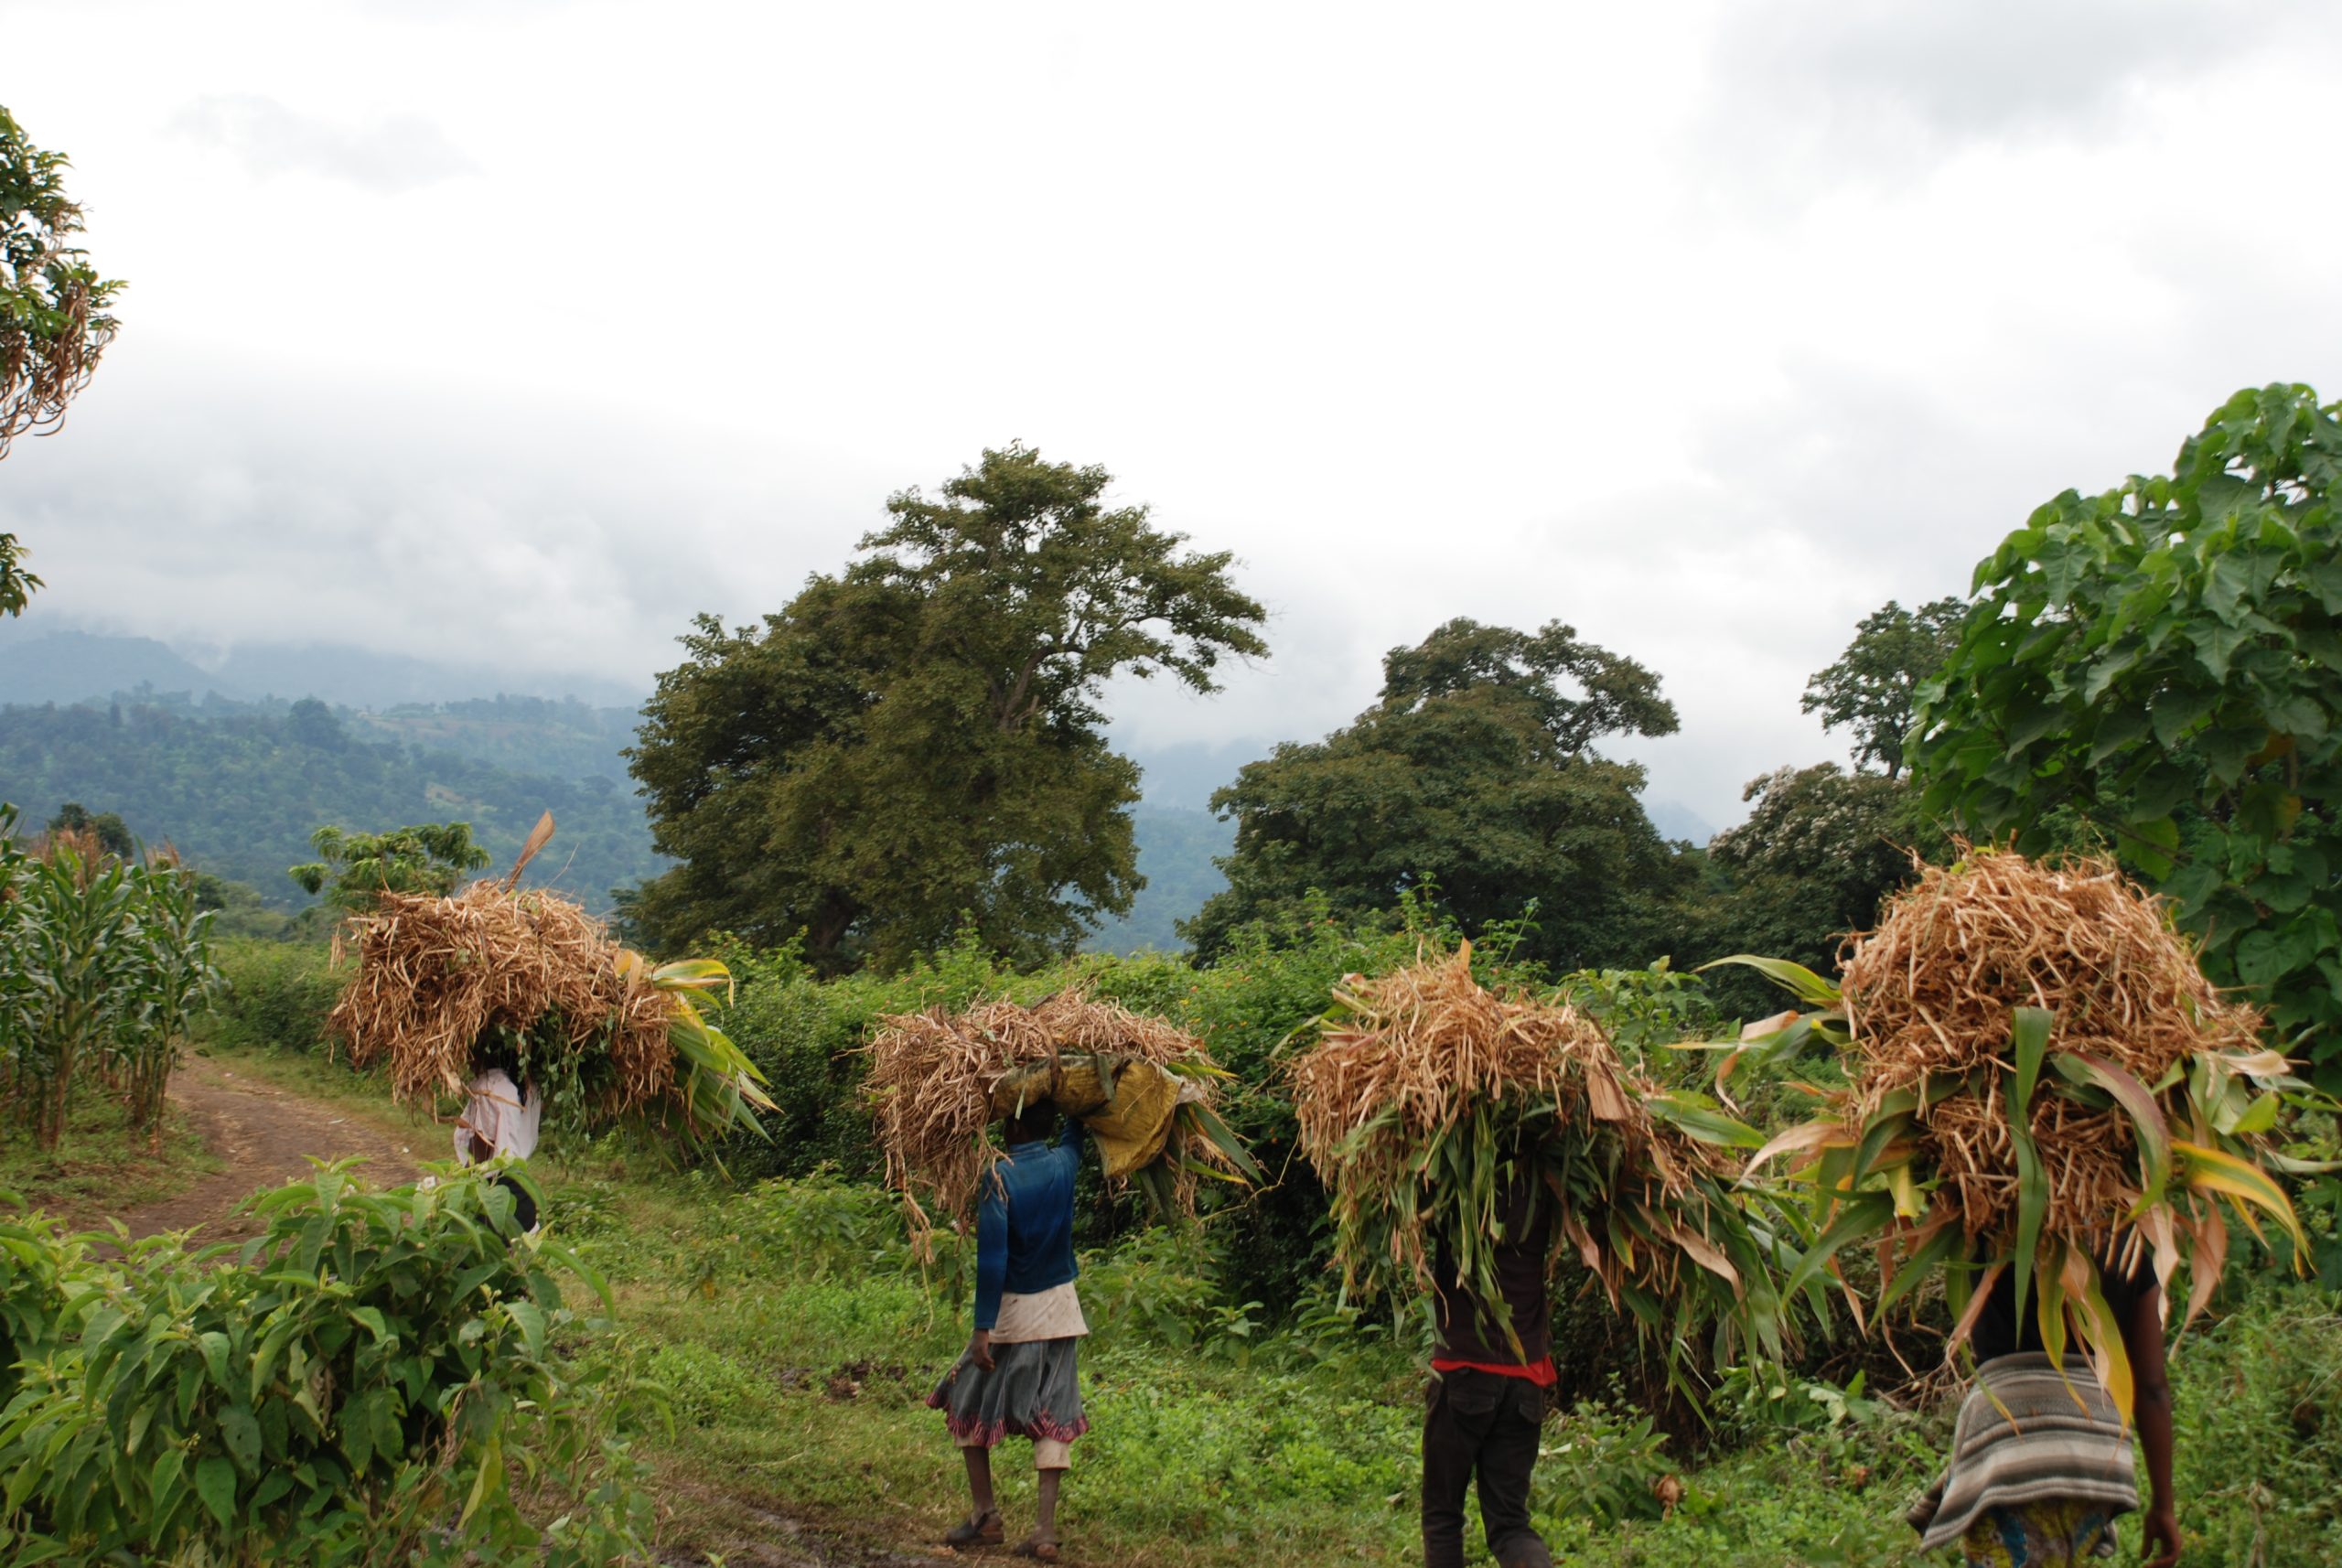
point(2060, 1438)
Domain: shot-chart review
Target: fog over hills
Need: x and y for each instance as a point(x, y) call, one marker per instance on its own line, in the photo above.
point(525, 725)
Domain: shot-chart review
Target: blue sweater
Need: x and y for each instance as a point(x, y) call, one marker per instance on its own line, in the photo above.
point(1024, 1224)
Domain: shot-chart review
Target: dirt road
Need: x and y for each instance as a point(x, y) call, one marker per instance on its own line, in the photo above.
point(264, 1135)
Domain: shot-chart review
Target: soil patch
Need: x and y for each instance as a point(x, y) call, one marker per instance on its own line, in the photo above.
point(265, 1135)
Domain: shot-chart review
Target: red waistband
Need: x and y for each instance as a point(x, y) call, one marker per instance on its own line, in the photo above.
point(1541, 1373)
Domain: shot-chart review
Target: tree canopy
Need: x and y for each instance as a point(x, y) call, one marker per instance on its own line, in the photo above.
point(53, 319)
point(1474, 771)
point(1820, 849)
point(1874, 685)
point(917, 742)
point(353, 870)
point(2163, 664)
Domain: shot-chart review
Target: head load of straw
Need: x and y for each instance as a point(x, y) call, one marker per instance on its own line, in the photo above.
point(1425, 1096)
point(440, 980)
point(932, 1077)
point(2041, 1081)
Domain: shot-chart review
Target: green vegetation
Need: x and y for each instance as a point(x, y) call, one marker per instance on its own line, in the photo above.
point(102, 1167)
point(918, 742)
point(103, 963)
point(53, 320)
point(1474, 771)
point(1177, 856)
point(367, 1383)
point(2162, 663)
point(239, 795)
point(354, 870)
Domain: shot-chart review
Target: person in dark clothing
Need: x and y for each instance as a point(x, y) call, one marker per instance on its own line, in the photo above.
point(1019, 1374)
point(1488, 1398)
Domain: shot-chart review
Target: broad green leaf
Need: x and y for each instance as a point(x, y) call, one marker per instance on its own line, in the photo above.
point(1861, 1218)
point(1794, 978)
point(2032, 1205)
point(2213, 1170)
point(215, 1483)
point(2028, 1040)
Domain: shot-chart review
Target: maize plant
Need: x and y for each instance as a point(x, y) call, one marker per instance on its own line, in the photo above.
point(2039, 1082)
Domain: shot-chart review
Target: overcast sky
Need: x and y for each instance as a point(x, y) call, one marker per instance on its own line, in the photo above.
point(518, 330)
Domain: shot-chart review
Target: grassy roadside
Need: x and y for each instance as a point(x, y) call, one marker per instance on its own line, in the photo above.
point(101, 1167)
point(796, 1350)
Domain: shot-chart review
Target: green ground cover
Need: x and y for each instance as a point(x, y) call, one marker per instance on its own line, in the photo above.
point(102, 1165)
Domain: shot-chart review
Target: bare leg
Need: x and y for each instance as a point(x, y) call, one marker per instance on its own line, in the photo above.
point(1044, 1513)
point(984, 1519)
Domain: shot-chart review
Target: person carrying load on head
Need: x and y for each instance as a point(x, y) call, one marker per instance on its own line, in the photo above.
point(2041, 1459)
point(1017, 1377)
point(1487, 1402)
point(499, 1121)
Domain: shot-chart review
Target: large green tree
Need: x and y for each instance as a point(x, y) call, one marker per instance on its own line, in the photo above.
point(917, 741)
point(1474, 770)
point(1874, 685)
point(1818, 851)
point(2161, 664)
point(53, 319)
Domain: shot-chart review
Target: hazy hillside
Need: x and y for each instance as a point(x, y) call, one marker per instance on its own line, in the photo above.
point(241, 793)
point(1175, 851)
point(77, 666)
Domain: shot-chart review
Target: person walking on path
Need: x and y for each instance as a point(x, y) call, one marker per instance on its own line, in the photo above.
point(2041, 1462)
point(499, 1121)
point(1488, 1398)
point(1018, 1376)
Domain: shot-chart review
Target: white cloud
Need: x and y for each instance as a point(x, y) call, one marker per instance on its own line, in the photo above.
point(1704, 328)
point(393, 154)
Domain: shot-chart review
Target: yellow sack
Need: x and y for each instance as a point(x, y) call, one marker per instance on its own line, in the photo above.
point(1131, 1123)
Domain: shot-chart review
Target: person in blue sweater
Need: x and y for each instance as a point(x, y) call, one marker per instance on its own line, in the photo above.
point(1018, 1376)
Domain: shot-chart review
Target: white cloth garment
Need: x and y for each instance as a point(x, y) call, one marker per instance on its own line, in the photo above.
point(504, 1118)
point(1051, 1314)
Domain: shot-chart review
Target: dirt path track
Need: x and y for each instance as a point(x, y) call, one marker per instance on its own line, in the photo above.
point(265, 1135)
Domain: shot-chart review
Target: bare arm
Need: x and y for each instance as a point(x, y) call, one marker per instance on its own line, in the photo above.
point(2142, 1342)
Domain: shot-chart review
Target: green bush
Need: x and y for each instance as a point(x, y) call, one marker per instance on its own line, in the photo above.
point(356, 1386)
point(277, 997)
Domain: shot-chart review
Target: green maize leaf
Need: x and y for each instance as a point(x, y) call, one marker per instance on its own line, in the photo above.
point(2104, 1335)
point(1904, 1184)
point(2147, 1122)
point(2032, 1205)
point(2028, 1041)
point(1882, 1130)
point(1937, 1248)
point(1704, 1123)
point(2212, 1170)
point(1229, 1144)
point(2256, 1118)
point(1862, 1216)
point(1794, 978)
point(2050, 1311)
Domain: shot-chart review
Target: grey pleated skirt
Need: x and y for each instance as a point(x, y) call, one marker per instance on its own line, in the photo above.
point(1031, 1391)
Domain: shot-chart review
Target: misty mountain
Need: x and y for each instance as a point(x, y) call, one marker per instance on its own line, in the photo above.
point(88, 667)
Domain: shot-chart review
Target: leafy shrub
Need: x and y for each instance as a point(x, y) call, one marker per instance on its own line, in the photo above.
point(1599, 1463)
point(700, 1386)
point(277, 997)
point(349, 1389)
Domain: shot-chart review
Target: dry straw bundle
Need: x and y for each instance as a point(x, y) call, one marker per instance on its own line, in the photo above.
point(436, 975)
point(932, 1075)
point(2041, 1079)
point(1426, 1094)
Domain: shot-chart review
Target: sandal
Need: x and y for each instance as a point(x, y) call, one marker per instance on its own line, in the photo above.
point(978, 1530)
point(1045, 1551)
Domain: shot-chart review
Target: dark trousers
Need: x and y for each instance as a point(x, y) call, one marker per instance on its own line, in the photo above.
point(1482, 1425)
point(524, 1208)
